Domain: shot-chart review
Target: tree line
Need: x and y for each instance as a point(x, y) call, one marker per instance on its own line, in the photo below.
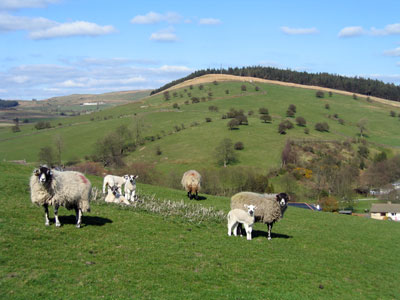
point(360, 85)
point(8, 103)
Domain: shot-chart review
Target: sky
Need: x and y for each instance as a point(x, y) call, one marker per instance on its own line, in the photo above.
point(52, 48)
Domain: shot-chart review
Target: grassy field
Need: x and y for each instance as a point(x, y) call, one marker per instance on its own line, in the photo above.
point(122, 253)
point(194, 145)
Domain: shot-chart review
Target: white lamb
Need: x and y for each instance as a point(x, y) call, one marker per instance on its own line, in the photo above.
point(130, 187)
point(69, 189)
point(111, 180)
point(236, 216)
point(114, 196)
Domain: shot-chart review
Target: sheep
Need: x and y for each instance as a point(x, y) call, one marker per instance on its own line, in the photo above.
point(111, 180)
point(114, 196)
point(130, 187)
point(69, 189)
point(236, 216)
point(270, 207)
point(191, 182)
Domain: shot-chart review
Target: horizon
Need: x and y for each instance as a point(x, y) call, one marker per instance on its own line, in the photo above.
point(62, 47)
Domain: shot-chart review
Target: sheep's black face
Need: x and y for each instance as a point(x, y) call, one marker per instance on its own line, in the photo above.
point(131, 178)
point(114, 190)
point(283, 199)
point(44, 174)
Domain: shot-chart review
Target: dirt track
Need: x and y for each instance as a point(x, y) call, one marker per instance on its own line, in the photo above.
point(223, 77)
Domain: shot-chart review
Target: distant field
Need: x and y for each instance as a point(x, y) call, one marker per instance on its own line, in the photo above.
point(121, 253)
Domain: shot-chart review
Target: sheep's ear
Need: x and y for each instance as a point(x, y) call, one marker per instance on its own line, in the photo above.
point(245, 205)
point(126, 177)
point(36, 172)
point(50, 173)
point(136, 176)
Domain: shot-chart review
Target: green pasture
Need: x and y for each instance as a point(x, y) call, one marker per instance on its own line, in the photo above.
point(121, 253)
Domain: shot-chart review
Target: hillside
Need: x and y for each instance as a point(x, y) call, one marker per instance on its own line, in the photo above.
point(126, 253)
point(68, 105)
point(171, 136)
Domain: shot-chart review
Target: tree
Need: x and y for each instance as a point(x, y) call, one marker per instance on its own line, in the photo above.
point(301, 121)
point(290, 113)
point(292, 107)
point(362, 126)
point(266, 118)
point(319, 94)
point(322, 127)
point(59, 144)
point(224, 153)
point(263, 111)
point(166, 96)
point(233, 124)
point(239, 146)
point(46, 156)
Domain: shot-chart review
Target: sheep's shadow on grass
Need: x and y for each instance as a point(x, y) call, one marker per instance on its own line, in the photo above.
point(200, 198)
point(86, 220)
point(260, 233)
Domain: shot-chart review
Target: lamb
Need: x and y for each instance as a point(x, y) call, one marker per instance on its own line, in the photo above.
point(236, 216)
point(191, 182)
point(114, 196)
point(69, 189)
point(270, 207)
point(111, 180)
point(130, 187)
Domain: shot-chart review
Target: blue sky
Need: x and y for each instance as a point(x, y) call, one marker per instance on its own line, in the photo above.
point(61, 47)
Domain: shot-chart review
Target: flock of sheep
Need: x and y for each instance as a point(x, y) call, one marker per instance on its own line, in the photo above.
point(72, 190)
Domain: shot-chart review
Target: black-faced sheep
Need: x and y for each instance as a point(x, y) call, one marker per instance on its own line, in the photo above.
point(270, 207)
point(114, 196)
point(191, 182)
point(130, 187)
point(69, 189)
point(111, 180)
point(236, 216)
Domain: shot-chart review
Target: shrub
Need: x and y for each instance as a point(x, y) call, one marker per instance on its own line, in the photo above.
point(233, 124)
point(306, 131)
point(227, 92)
point(319, 94)
point(243, 88)
point(257, 88)
point(327, 106)
point(301, 121)
point(322, 127)
point(42, 125)
point(392, 113)
point(292, 107)
point(201, 87)
point(290, 113)
point(213, 108)
point(208, 120)
point(341, 121)
point(166, 96)
point(92, 168)
point(238, 146)
point(263, 111)
point(158, 150)
point(282, 128)
point(250, 113)
point(175, 105)
point(329, 204)
point(266, 118)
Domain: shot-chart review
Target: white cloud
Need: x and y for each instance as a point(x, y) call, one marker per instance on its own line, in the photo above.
point(351, 31)
point(79, 28)
point(209, 21)
point(12, 23)
point(153, 18)
point(393, 52)
point(299, 31)
point(388, 30)
point(174, 69)
point(18, 4)
point(165, 35)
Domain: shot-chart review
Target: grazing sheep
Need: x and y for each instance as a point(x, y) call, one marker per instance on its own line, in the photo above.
point(236, 216)
point(130, 187)
point(114, 196)
point(270, 207)
point(111, 180)
point(191, 182)
point(69, 189)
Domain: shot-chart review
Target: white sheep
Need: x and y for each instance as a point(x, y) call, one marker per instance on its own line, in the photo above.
point(69, 189)
point(111, 180)
point(130, 187)
point(270, 207)
point(191, 182)
point(236, 216)
point(113, 196)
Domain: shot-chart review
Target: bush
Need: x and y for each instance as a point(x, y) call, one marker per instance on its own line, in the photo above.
point(319, 94)
point(322, 127)
point(290, 113)
point(329, 204)
point(158, 150)
point(238, 146)
point(327, 106)
point(175, 105)
point(42, 125)
point(233, 124)
point(266, 118)
point(301, 121)
point(243, 88)
point(208, 120)
point(263, 111)
point(89, 167)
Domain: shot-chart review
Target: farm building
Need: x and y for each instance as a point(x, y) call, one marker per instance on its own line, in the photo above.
point(385, 211)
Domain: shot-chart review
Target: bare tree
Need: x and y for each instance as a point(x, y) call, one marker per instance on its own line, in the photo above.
point(224, 152)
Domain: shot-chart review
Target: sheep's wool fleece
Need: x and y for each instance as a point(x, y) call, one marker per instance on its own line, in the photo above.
point(69, 189)
point(241, 216)
point(191, 181)
point(268, 209)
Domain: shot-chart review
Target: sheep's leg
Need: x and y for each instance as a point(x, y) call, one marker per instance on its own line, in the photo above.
point(234, 228)
point(269, 230)
point(197, 196)
point(78, 212)
point(58, 224)
point(46, 215)
point(249, 229)
point(229, 228)
point(133, 195)
point(239, 229)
